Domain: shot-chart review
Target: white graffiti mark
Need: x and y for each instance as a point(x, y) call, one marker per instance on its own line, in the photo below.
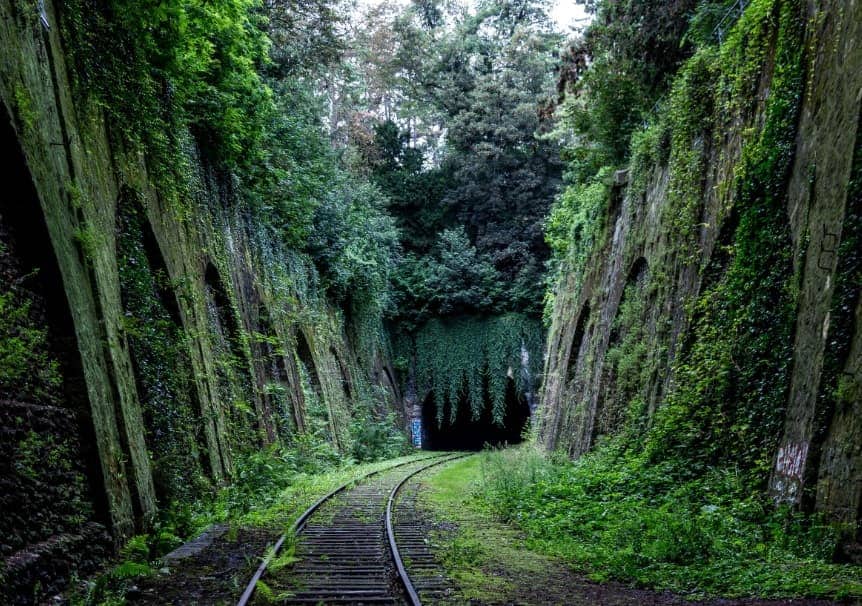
point(791, 460)
point(416, 431)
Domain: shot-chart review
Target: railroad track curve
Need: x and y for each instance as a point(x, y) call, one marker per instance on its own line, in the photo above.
point(347, 550)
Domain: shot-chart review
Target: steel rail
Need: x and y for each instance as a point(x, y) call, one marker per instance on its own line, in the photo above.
point(299, 523)
point(412, 594)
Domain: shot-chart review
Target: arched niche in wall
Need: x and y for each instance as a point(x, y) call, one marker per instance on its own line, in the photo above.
point(626, 353)
point(391, 385)
point(310, 377)
point(712, 273)
point(235, 382)
point(570, 385)
point(51, 484)
point(268, 354)
point(344, 371)
point(720, 258)
point(158, 345)
point(575, 348)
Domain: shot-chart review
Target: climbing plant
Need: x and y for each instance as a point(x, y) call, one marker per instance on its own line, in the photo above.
point(731, 384)
point(26, 363)
point(574, 229)
point(466, 361)
point(159, 353)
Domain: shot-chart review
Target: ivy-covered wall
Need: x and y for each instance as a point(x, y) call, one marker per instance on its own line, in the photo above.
point(707, 310)
point(197, 336)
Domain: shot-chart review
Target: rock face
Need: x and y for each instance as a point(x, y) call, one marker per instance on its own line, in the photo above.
point(159, 339)
point(639, 307)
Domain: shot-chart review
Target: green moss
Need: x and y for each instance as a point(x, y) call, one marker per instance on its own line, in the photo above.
point(162, 367)
point(89, 240)
point(24, 107)
point(26, 364)
point(571, 228)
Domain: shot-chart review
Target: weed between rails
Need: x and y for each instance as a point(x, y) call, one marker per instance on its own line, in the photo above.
point(270, 493)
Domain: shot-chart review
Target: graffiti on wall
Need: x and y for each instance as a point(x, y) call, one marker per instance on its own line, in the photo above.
point(416, 432)
point(790, 461)
point(787, 481)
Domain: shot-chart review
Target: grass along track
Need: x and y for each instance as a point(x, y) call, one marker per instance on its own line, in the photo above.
point(341, 556)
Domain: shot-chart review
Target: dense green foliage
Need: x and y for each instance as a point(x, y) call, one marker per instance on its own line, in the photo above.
point(467, 360)
point(620, 517)
point(455, 142)
point(457, 150)
point(239, 77)
point(163, 370)
point(613, 77)
point(26, 366)
point(675, 497)
point(731, 377)
point(239, 85)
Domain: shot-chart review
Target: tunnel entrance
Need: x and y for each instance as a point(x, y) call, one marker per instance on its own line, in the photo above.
point(465, 433)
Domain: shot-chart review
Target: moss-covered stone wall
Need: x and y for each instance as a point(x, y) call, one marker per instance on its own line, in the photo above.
point(710, 305)
point(185, 318)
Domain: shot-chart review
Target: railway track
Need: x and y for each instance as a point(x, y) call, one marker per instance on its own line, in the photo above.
point(348, 546)
point(427, 582)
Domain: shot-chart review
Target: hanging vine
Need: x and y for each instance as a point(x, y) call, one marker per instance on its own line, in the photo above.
point(467, 361)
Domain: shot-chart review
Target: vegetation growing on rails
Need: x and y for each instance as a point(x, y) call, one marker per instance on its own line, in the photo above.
point(273, 488)
point(486, 558)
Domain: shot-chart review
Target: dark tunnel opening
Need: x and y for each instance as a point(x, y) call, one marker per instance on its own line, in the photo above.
point(469, 434)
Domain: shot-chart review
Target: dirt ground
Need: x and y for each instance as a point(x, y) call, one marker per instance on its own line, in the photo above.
point(215, 576)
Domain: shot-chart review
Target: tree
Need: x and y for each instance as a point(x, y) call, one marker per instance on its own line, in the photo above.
point(494, 71)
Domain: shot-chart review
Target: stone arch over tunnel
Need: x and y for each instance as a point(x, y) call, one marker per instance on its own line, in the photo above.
point(466, 433)
point(170, 402)
point(54, 515)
